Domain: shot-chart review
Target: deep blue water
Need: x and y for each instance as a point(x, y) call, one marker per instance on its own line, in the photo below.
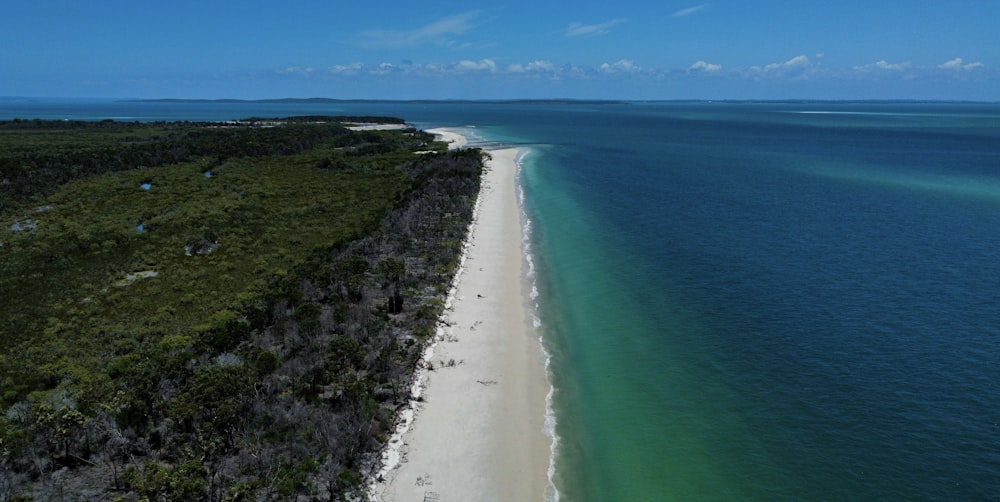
point(749, 301)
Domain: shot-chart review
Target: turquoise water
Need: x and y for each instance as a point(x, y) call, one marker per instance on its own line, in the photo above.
point(770, 301)
point(745, 304)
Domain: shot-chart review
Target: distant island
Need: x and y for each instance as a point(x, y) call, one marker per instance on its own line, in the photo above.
point(417, 101)
point(549, 101)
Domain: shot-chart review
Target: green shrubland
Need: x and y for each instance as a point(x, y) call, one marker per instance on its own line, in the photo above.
point(215, 311)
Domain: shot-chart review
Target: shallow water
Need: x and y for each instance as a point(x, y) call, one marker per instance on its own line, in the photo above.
point(766, 310)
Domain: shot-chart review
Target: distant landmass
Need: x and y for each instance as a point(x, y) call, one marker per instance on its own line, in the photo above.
point(550, 101)
point(547, 101)
point(333, 100)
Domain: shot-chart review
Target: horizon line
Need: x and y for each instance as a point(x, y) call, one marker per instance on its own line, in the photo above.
point(497, 100)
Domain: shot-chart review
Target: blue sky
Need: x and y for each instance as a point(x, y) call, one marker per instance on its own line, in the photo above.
point(765, 49)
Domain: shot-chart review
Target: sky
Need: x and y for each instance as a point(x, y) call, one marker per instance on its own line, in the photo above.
point(515, 49)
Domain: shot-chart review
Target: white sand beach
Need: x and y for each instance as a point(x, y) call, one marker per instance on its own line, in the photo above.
point(455, 140)
point(478, 432)
point(378, 127)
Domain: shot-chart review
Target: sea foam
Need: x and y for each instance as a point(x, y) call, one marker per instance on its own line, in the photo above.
point(549, 426)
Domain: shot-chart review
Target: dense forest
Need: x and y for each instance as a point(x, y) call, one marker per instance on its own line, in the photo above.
point(216, 311)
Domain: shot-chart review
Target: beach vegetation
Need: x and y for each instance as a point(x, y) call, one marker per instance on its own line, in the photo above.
point(169, 335)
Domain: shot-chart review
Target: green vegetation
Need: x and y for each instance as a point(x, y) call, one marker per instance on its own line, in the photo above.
point(215, 311)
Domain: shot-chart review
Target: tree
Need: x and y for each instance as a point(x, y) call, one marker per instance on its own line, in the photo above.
point(350, 272)
point(307, 315)
point(215, 400)
point(181, 482)
point(394, 270)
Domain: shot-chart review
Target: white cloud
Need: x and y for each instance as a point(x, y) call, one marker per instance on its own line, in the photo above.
point(589, 30)
point(690, 10)
point(440, 32)
point(797, 68)
point(574, 71)
point(541, 66)
point(795, 62)
point(383, 69)
point(705, 67)
point(351, 69)
point(298, 70)
point(884, 65)
point(482, 65)
point(464, 66)
point(534, 66)
point(623, 65)
point(959, 64)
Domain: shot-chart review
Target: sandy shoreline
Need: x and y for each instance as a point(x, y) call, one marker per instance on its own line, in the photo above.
point(455, 140)
point(377, 127)
point(478, 434)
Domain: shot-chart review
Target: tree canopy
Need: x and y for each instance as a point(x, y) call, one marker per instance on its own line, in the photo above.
point(215, 311)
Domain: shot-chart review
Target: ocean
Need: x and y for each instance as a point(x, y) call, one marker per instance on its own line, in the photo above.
point(744, 301)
